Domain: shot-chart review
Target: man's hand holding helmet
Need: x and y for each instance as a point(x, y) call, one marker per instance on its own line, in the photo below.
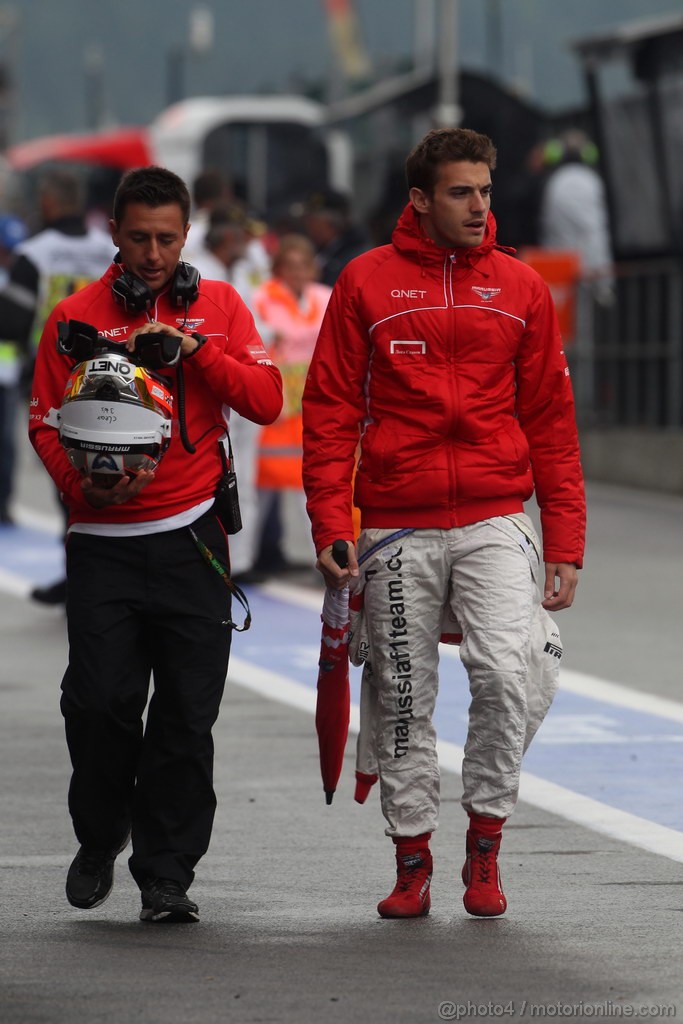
point(188, 343)
point(125, 488)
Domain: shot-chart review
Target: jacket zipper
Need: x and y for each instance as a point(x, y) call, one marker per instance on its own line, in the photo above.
point(452, 486)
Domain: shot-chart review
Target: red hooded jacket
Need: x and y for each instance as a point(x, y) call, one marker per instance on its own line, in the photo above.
point(231, 370)
point(450, 367)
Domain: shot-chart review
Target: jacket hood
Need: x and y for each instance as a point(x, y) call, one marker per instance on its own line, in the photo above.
point(410, 239)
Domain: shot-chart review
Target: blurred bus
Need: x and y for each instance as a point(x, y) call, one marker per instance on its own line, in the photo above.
point(274, 150)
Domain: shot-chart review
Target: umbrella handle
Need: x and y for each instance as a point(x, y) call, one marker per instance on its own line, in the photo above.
point(340, 553)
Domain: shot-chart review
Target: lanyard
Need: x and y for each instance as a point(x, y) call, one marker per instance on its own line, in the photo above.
point(213, 562)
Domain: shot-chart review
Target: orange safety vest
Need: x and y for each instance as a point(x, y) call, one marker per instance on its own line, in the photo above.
point(295, 326)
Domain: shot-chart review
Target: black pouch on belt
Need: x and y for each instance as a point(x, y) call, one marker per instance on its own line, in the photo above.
point(226, 501)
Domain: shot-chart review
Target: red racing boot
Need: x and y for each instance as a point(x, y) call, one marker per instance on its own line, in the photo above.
point(410, 897)
point(484, 896)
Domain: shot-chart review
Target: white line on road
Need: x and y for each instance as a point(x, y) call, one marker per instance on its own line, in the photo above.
point(303, 597)
point(620, 696)
point(12, 583)
point(43, 521)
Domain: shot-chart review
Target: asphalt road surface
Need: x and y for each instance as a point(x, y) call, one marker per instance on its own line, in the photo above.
point(592, 861)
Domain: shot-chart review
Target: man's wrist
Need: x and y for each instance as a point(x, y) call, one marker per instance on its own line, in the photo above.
point(201, 339)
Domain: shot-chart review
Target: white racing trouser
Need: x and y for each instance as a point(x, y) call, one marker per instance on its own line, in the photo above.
point(244, 438)
point(480, 580)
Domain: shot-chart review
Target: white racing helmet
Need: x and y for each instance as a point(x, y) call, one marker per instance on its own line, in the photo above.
point(115, 417)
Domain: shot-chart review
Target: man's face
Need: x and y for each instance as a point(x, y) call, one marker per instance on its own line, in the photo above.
point(455, 214)
point(296, 269)
point(233, 245)
point(150, 240)
point(319, 228)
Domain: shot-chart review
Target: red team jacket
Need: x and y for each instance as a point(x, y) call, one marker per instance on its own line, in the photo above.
point(452, 363)
point(231, 370)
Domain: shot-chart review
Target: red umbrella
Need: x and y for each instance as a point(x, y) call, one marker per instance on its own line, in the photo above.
point(334, 697)
point(366, 754)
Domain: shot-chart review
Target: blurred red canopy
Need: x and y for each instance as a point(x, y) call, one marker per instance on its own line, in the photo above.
point(120, 147)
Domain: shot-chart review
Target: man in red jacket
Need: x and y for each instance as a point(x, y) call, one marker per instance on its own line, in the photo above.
point(142, 593)
point(441, 354)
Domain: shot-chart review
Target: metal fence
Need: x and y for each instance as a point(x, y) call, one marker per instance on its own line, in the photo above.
point(627, 356)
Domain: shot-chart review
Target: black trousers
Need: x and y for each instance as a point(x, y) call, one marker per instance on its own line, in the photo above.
point(139, 607)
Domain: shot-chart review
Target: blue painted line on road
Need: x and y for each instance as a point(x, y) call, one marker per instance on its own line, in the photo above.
point(34, 555)
point(628, 759)
point(632, 761)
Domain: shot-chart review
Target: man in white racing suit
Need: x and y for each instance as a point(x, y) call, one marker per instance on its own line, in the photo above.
point(441, 354)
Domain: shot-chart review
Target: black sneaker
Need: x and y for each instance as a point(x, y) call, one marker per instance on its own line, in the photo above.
point(165, 900)
point(90, 878)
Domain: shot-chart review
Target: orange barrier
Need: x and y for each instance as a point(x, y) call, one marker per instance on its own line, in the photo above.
point(560, 269)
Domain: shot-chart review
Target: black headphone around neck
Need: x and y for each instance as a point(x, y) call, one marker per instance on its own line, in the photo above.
point(131, 292)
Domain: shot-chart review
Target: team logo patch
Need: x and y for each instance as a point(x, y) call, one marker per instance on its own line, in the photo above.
point(104, 462)
point(407, 348)
point(259, 354)
point(192, 323)
point(486, 294)
point(553, 649)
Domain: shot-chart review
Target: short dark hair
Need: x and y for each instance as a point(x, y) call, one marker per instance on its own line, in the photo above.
point(64, 188)
point(209, 187)
point(151, 186)
point(442, 145)
point(335, 207)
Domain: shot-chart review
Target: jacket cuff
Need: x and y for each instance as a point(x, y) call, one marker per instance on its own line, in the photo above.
point(201, 340)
